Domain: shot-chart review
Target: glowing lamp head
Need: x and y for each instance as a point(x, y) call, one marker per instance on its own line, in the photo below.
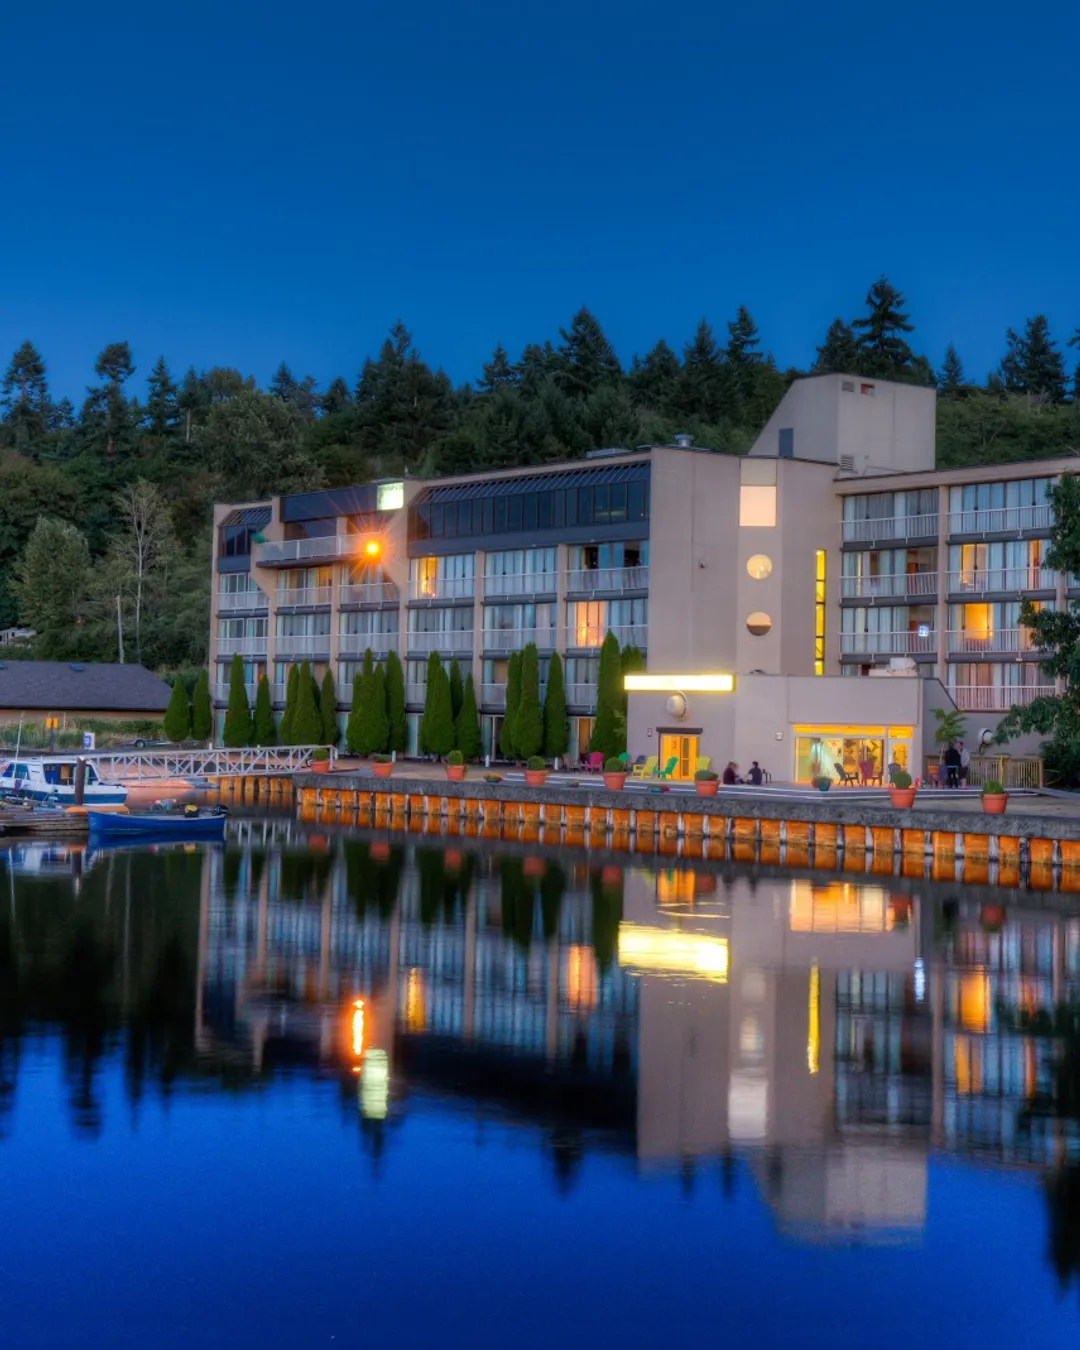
point(357, 1027)
point(372, 550)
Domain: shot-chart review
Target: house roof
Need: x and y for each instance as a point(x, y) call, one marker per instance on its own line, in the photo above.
point(56, 686)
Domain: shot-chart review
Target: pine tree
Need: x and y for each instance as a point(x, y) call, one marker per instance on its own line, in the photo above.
point(237, 731)
point(328, 709)
point(25, 401)
point(467, 737)
point(456, 689)
point(178, 714)
point(292, 698)
point(499, 373)
point(1032, 364)
point(741, 365)
point(439, 733)
point(263, 730)
point(701, 381)
point(556, 724)
point(586, 359)
point(883, 352)
point(380, 723)
point(434, 665)
point(507, 743)
point(307, 723)
point(529, 720)
point(395, 704)
point(202, 710)
point(353, 728)
point(951, 379)
point(162, 409)
point(106, 413)
point(839, 353)
point(609, 729)
point(654, 381)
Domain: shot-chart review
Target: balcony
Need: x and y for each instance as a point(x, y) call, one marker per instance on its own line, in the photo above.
point(1002, 520)
point(590, 637)
point(291, 645)
point(450, 641)
point(415, 693)
point(581, 696)
point(304, 598)
point(514, 639)
point(493, 696)
point(615, 580)
point(901, 586)
point(370, 593)
point(520, 583)
point(972, 581)
point(976, 642)
point(278, 692)
point(356, 644)
point(907, 642)
point(997, 697)
point(889, 527)
point(246, 646)
point(441, 588)
point(229, 602)
point(221, 692)
point(289, 552)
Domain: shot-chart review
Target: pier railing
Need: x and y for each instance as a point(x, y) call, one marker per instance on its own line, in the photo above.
point(149, 765)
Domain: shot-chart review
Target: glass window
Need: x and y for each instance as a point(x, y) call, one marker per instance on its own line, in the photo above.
point(757, 506)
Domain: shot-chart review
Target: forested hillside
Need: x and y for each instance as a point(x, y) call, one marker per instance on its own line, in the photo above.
point(104, 508)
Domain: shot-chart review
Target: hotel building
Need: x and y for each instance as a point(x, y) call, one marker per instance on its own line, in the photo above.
point(834, 548)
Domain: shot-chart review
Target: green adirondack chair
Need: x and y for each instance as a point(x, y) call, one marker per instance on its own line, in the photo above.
point(669, 768)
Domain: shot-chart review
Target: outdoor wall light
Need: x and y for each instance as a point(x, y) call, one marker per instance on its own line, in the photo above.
point(679, 684)
point(676, 706)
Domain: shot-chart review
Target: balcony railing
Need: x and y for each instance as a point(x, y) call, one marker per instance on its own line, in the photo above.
point(587, 637)
point(308, 595)
point(442, 588)
point(493, 695)
point(370, 593)
point(301, 644)
point(976, 642)
point(591, 581)
point(907, 642)
point(228, 602)
point(581, 695)
point(898, 586)
point(279, 552)
point(356, 644)
point(997, 697)
point(1002, 519)
point(976, 580)
point(890, 527)
point(246, 646)
point(514, 639)
point(520, 583)
point(450, 641)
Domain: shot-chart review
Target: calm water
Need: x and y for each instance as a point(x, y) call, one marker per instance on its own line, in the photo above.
point(346, 1091)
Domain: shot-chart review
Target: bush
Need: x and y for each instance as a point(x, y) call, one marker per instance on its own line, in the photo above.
point(900, 779)
point(534, 763)
point(992, 788)
point(380, 759)
point(455, 757)
point(821, 779)
point(706, 776)
point(614, 765)
point(320, 755)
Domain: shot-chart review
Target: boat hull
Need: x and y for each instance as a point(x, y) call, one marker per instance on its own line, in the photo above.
point(155, 826)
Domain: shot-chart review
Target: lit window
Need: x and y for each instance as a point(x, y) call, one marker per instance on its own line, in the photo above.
point(757, 506)
point(427, 576)
point(758, 623)
point(819, 612)
point(390, 496)
point(759, 566)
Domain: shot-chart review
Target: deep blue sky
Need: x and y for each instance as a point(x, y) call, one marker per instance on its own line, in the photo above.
point(238, 183)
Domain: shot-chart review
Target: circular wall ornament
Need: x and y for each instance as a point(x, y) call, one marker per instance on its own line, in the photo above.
point(758, 623)
point(759, 565)
point(676, 706)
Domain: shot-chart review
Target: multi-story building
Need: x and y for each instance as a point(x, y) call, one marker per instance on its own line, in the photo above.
point(833, 548)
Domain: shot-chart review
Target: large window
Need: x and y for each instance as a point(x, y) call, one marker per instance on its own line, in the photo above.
point(532, 622)
point(303, 625)
point(369, 623)
point(447, 578)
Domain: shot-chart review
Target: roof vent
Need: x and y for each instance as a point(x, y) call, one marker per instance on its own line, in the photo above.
point(847, 463)
point(684, 440)
point(73, 665)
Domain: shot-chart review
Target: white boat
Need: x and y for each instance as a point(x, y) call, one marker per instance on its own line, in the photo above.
point(51, 779)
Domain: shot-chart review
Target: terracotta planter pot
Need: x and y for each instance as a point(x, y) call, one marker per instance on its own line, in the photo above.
point(706, 787)
point(455, 773)
point(614, 781)
point(535, 777)
point(902, 797)
point(994, 803)
point(320, 766)
point(382, 770)
point(533, 868)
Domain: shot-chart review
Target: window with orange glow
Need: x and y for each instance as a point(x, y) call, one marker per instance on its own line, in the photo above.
point(427, 572)
point(978, 622)
point(757, 505)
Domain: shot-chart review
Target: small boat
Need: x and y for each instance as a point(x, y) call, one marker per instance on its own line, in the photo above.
point(50, 779)
point(160, 825)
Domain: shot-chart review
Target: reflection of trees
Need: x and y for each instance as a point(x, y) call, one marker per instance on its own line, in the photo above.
point(373, 875)
point(304, 875)
point(606, 887)
point(445, 880)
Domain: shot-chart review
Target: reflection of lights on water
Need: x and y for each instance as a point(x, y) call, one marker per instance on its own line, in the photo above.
point(373, 1092)
point(663, 949)
point(358, 1027)
point(813, 1038)
point(920, 980)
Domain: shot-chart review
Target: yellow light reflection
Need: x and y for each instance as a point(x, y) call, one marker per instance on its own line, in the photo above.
point(813, 1038)
point(679, 684)
point(415, 1016)
point(581, 977)
point(358, 1013)
point(373, 1092)
point(674, 953)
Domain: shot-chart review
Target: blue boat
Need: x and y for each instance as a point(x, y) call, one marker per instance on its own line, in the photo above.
point(158, 826)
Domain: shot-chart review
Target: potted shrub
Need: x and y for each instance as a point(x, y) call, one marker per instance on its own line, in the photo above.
point(320, 761)
point(381, 766)
point(493, 778)
point(455, 766)
point(994, 798)
point(614, 774)
point(822, 783)
point(706, 782)
point(535, 771)
point(901, 792)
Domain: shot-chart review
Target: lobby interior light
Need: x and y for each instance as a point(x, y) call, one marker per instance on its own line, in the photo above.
point(642, 683)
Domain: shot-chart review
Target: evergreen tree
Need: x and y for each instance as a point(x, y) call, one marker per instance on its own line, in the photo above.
point(467, 737)
point(263, 730)
point(178, 713)
point(839, 353)
point(237, 731)
point(631, 659)
point(701, 381)
point(609, 729)
point(437, 729)
point(402, 406)
point(395, 704)
point(328, 709)
point(741, 365)
point(529, 719)
point(1074, 341)
point(106, 414)
point(307, 728)
point(654, 381)
point(883, 352)
point(25, 402)
point(536, 368)
point(507, 743)
point(292, 699)
point(338, 398)
point(586, 360)
point(202, 710)
point(456, 689)
point(162, 408)
point(556, 724)
point(368, 726)
point(434, 665)
point(951, 379)
point(499, 373)
point(354, 731)
point(380, 722)
point(1032, 364)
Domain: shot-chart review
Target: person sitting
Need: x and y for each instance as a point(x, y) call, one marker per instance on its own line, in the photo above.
point(729, 776)
point(755, 774)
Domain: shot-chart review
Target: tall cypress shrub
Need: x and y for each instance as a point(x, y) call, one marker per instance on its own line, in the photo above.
point(288, 717)
point(202, 710)
point(609, 730)
point(353, 730)
point(375, 728)
point(328, 709)
point(434, 665)
point(556, 723)
point(307, 725)
point(440, 731)
point(178, 714)
point(457, 691)
point(507, 744)
point(467, 736)
point(237, 731)
point(263, 731)
point(395, 704)
point(529, 720)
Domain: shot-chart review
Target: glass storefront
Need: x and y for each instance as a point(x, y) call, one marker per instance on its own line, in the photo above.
point(866, 752)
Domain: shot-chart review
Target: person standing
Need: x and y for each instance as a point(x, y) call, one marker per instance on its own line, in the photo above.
point(952, 766)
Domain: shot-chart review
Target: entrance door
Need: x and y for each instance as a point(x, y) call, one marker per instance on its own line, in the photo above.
point(683, 749)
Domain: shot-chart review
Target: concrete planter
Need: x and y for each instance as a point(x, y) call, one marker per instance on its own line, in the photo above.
point(382, 770)
point(903, 798)
point(614, 782)
point(455, 773)
point(994, 803)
